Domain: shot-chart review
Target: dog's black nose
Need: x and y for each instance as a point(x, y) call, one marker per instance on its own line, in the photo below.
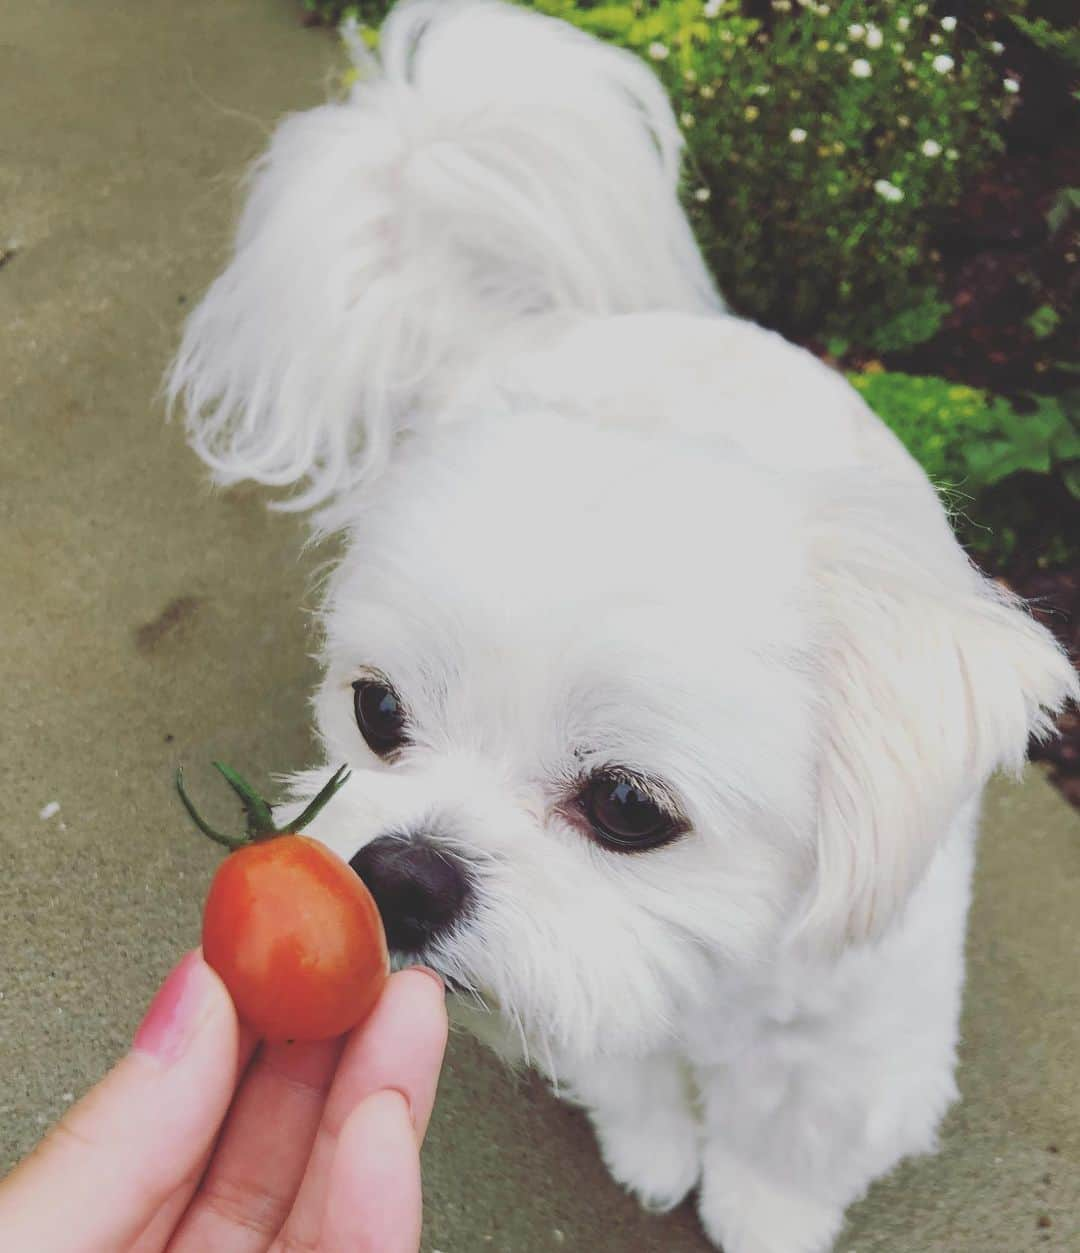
point(420, 889)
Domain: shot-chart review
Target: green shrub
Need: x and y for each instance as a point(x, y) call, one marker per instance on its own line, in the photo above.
point(824, 148)
point(976, 448)
point(816, 192)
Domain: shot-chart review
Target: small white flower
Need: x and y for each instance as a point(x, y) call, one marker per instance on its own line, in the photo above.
point(951, 154)
point(856, 31)
point(712, 8)
point(935, 39)
point(797, 135)
point(997, 47)
point(920, 10)
point(1011, 86)
point(903, 23)
point(702, 195)
point(687, 119)
point(903, 121)
point(659, 51)
point(888, 191)
point(860, 67)
point(948, 24)
point(751, 113)
point(931, 148)
point(823, 10)
point(874, 37)
point(707, 92)
point(943, 63)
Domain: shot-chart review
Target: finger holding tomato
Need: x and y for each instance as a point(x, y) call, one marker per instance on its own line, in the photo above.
point(313, 1134)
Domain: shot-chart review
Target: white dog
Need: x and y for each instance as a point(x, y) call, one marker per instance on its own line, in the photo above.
point(667, 692)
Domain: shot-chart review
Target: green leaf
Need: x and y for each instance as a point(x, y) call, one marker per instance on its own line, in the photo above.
point(1043, 322)
point(911, 326)
point(608, 19)
point(994, 461)
point(1061, 43)
point(1065, 203)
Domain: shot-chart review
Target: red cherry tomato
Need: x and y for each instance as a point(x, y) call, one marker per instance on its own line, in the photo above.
point(297, 939)
point(293, 932)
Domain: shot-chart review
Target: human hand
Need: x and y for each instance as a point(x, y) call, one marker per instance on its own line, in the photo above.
point(199, 1140)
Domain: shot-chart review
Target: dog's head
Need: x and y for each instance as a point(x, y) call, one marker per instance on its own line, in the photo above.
point(622, 708)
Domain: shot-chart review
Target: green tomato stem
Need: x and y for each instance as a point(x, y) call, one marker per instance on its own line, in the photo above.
point(231, 842)
point(338, 780)
point(260, 822)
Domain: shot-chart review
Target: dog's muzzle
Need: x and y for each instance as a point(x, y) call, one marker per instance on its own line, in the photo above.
point(421, 890)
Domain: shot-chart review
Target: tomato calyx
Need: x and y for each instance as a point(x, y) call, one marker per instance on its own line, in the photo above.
point(260, 820)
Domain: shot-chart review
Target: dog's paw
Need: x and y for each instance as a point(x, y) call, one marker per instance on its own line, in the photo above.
point(743, 1212)
point(659, 1161)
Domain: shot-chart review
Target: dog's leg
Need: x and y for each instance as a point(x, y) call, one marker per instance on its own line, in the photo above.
point(843, 1071)
point(799, 1126)
point(645, 1117)
point(746, 1209)
point(798, 1129)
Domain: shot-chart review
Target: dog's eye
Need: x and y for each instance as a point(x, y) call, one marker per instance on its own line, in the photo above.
point(379, 715)
point(623, 815)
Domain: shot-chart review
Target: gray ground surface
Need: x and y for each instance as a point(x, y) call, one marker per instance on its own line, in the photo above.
point(146, 621)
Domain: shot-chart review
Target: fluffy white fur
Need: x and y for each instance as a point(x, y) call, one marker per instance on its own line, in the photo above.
point(592, 519)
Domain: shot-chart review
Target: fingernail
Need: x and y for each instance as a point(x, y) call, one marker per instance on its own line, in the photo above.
point(431, 974)
point(168, 1024)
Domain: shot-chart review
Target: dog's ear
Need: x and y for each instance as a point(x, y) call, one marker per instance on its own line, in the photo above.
point(933, 677)
point(394, 244)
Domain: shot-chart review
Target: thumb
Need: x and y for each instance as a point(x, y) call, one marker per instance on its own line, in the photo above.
point(100, 1175)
